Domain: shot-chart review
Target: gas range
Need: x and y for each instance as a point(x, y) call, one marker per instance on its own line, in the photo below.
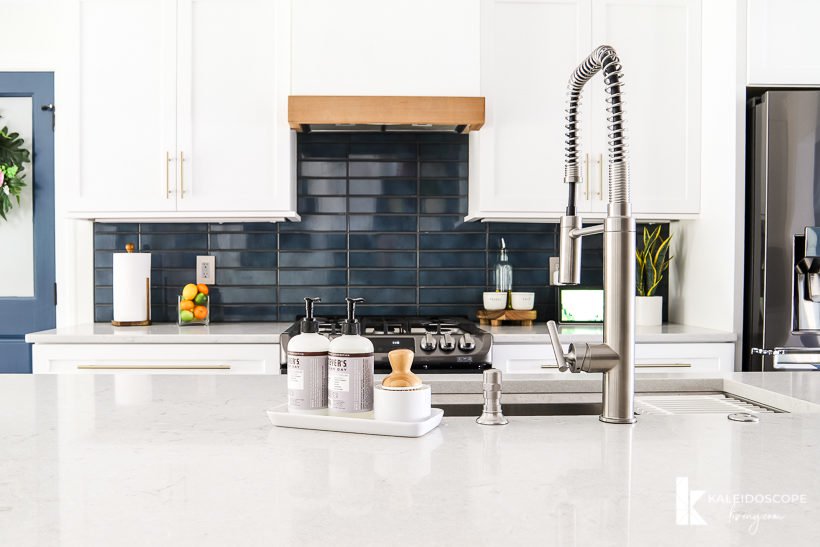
point(441, 344)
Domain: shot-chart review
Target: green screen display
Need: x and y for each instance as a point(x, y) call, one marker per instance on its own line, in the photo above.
point(582, 306)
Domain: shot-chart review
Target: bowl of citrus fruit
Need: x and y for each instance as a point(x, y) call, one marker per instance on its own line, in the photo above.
point(194, 306)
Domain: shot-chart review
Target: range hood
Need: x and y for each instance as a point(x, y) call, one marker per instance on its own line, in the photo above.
point(362, 113)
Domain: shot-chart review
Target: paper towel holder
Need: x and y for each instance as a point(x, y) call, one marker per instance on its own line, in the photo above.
point(129, 248)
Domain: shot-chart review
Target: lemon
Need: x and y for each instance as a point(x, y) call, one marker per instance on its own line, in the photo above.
point(189, 292)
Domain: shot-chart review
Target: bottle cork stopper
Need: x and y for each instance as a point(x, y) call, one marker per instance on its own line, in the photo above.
point(129, 247)
point(400, 361)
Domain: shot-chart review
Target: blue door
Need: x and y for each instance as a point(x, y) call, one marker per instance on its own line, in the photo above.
point(27, 290)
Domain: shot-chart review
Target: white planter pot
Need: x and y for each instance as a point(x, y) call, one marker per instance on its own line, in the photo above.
point(648, 310)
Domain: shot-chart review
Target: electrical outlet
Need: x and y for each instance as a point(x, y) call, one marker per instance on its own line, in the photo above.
point(206, 270)
point(554, 264)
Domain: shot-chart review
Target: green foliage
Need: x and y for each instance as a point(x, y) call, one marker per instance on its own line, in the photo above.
point(13, 157)
point(652, 261)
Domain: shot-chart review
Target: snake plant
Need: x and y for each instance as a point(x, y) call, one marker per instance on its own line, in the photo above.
point(652, 261)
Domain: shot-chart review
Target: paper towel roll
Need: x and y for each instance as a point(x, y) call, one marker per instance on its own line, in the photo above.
point(131, 292)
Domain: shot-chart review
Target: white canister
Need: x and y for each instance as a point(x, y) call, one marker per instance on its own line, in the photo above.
point(402, 404)
point(132, 287)
point(648, 311)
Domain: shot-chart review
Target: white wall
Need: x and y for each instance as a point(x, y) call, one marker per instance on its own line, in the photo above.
point(706, 289)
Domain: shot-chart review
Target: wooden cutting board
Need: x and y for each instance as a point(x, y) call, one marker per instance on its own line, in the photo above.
point(497, 317)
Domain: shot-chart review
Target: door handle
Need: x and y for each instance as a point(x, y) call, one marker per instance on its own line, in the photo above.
point(181, 175)
point(587, 174)
point(167, 174)
point(600, 190)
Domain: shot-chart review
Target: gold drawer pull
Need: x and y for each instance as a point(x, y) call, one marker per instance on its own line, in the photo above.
point(663, 365)
point(154, 367)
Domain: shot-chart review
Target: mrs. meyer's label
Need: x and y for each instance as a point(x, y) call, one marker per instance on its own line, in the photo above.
point(307, 380)
point(350, 382)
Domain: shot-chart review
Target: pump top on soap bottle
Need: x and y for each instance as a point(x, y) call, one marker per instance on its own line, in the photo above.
point(351, 325)
point(309, 323)
point(307, 355)
point(504, 273)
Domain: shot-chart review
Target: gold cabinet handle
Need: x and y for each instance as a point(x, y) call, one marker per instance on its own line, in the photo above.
point(154, 367)
point(549, 365)
point(587, 175)
point(167, 174)
point(663, 365)
point(600, 191)
point(181, 175)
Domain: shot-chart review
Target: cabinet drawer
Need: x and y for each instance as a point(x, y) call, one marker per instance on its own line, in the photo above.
point(155, 359)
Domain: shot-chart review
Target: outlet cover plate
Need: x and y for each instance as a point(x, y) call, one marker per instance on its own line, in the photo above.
point(554, 262)
point(206, 270)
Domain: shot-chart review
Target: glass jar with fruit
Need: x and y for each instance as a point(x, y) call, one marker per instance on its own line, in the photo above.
point(194, 305)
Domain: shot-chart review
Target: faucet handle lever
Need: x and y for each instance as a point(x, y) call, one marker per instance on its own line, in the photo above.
point(556, 346)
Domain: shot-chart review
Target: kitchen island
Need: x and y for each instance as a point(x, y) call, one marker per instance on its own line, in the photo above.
point(193, 460)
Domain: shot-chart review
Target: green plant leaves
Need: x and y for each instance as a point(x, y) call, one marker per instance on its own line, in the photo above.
point(652, 261)
point(13, 157)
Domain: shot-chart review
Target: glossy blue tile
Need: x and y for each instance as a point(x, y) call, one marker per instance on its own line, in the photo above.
point(245, 295)
point(382, 259)
point(312, 277)
point(382, 169)
point(450, 310)
point(451, 295)
point(103, 276)
point(366, 310)
point(179, 242)
point(243, 227)
point(322, 150)
point(383, 278)
point(522, 242)
point(382, 205)
point(524, 277)
point(244, 259)
point(449, 223)
point(454, 242)
point(245, 312)
point(375, 223)
point(245, 276)
point(383, 187)
point(311, 241)
point(441, 151)
point(454, 169)
point(172, 227)
point(443, 206)
point(385, 295)
point(316, 223)
point(114, 242)
point(517, 227)
point(322, 187)
point(230, 242)
point(322, 169)
point(307, 205)
point(524, 259)
point(173, 259)
point(103, 259)
point(435, 187)
point(387, 242)
point(290, 312)
point(116, 227)
point(453, 278)
point(313, 259)
point(103, 295)
point(103, 313)
point(296, 295)
point(447, 259)
point(383, 151)
point(173, 278)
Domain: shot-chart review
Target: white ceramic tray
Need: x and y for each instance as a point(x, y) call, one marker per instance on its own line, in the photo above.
point(279, 416)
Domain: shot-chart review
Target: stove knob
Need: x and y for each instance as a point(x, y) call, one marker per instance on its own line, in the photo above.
point(448, 344)
point(428, 343)
point(467, 343)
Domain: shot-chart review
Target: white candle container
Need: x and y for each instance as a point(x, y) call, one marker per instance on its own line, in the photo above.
point(402, 404)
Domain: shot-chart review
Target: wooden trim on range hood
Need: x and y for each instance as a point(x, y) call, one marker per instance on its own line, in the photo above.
point(465, 113)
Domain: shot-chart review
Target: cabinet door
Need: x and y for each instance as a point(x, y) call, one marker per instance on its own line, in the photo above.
point(783, 42)
point(235, 143)
point(529, 49)
point(373, 47)
point(658, 42)
point(119, 111)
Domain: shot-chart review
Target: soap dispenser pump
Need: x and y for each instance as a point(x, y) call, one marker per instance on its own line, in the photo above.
point(350, 368)
point(307, 366)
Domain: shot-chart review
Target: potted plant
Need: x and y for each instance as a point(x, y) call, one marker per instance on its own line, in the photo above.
point(653, 261)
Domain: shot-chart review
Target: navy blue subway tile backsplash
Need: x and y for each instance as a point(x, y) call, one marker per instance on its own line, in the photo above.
point(382, 218)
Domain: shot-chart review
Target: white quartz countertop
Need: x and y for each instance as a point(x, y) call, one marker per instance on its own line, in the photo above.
point(193, 460)
point(163, 333)
point(668, 333)
point(268, 333)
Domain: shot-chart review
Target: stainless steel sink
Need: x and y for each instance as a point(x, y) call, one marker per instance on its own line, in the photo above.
point(645, 404)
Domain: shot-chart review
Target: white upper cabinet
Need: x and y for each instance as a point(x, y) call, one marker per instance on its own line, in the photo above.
point(783, 42)
point(529, 49)
point(177, 110)
point(377, 47)
point(662, 94)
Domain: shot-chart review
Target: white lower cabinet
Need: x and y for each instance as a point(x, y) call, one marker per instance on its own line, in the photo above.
point(678, 358)
point(155, 358)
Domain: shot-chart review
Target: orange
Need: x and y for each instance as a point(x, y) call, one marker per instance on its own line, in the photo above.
point(186, 305)
point(202, 287)
point(189, 292)
point(200, 312)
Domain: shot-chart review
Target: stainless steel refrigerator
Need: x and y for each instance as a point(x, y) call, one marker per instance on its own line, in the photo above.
point(782, 281)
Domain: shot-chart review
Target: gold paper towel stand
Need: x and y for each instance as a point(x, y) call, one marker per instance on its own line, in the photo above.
point(129, 247)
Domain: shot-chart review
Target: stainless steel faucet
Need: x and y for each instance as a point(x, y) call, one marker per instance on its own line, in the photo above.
point(615, 358)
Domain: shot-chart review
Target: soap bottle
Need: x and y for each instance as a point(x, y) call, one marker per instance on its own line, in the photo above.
point(504, 274)
point(307, 366)
point(350, 368)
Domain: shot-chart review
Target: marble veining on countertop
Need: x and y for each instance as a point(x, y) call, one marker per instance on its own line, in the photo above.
point(666, 333)
point(163, 333)
point(193, 460)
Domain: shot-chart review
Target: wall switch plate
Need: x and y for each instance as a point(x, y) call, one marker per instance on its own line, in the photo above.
point(554, 263)
point(206, 270)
